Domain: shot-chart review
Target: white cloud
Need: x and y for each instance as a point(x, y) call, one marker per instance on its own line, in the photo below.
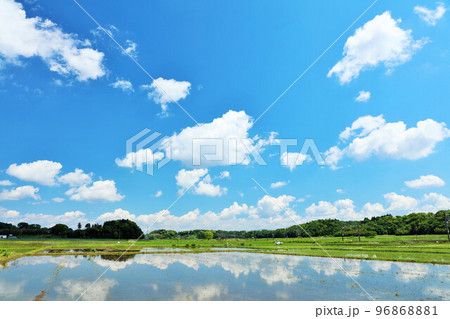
point(69, 262)
point(159, 193)
point(333, 156)
point(439, 293)
point(331, 267)
point(292, 160)
point(201, 293)
point(394, 140)
point(322, 210)
point(76, 288)
point(98, 32)
point(371, 210)
point(26, 37)
point(366, 124)
point(76, 178)
point(139, 158)
point(363, 96)
point(6, 183)
point(270, 268)
point(112, 264)
point(58, 199)
point(117, 214)
point(186, 178)
point(41, 172)
point(123, 85)
point(234, 210)
point(200, 182)
point(398, 202)
point(425, 181)
point(343, 209)
point(131, 49)
point(204, 187)
point(380, 40)
point(228, 134)
point(387, 140)
point(70, 218)
point(278, 184)
point(267, 213)
point(340, 191)
point(20, 193)
point(11, 290)
point(224, 174)
point(104, 191)
point(8, 214)
point(431, 202)
point(431, 16)
point(434, 202)
point(164, 91)
point(410, 271)
point(269, 206)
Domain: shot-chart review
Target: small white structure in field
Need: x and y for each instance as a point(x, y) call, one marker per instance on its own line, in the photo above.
point(278, 243)
point(3, 236)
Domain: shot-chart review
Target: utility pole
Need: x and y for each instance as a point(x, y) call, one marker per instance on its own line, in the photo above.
point(446, 225)
point(342, 231)
point(359, 236)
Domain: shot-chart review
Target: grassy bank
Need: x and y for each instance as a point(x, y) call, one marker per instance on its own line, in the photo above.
point(425, 249)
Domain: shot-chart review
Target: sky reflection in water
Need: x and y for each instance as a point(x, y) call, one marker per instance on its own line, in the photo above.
point(219, 276)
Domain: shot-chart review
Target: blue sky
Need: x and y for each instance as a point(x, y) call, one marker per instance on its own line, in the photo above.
point(70, 98)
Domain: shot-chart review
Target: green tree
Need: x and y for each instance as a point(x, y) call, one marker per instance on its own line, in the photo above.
point(123, 228)
point(208, 234)
point(22, 225)
point(60, 230)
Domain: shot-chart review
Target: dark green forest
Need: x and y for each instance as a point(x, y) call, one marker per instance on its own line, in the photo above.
point(411, 224)
point(115, 229)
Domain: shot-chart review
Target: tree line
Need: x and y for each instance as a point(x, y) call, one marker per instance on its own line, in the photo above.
point(411, 224)
point(114, 229)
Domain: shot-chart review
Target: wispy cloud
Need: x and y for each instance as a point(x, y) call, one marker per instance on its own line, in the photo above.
point(123, 85)
point(363, 96)
point(431, 16)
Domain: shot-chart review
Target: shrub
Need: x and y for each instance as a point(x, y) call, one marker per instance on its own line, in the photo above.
point(370, 234)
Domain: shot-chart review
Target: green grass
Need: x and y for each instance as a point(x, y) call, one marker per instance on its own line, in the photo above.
point(425, 248)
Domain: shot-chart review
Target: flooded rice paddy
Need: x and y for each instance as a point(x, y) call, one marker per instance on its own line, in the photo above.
point(219, 276)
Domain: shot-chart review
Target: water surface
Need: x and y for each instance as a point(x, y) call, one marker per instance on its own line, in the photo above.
point(219, 276)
